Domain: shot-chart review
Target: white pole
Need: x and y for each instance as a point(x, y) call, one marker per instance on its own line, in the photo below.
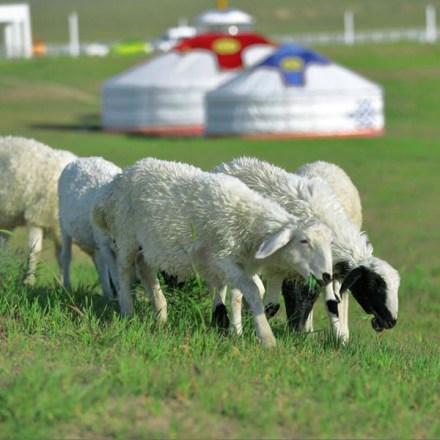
point(431, 24)
point(16, 39)
point(9, 40)
point(73, 35)
point(348, 27)
point(27, 34)
point(21, 41)
point(13, 39)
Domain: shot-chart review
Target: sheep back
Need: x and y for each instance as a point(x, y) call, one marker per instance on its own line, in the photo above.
point(29, 172)
point(77, 187)
point(304, 197)
point(181, 215)
point(340, 183)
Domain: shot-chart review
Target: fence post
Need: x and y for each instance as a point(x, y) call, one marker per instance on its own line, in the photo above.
point(73, 35)
point(431, 24)
point(9, 40)
point(348, 27)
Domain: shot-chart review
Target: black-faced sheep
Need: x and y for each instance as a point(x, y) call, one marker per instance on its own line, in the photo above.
point(374, 283)
point(307, 198)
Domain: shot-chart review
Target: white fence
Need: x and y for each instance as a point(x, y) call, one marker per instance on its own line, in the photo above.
point(312, 39)
point(349, 36)
point(375, 36)
point(428, 34)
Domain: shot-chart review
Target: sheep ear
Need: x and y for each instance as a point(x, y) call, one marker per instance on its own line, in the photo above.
point(351, 278)
point(274, 242)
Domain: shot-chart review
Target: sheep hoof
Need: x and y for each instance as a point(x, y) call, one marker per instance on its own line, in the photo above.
point(269, 342)
point(29, 280)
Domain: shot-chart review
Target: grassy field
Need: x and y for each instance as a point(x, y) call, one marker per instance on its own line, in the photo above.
point(70, 368)
point(103, 20)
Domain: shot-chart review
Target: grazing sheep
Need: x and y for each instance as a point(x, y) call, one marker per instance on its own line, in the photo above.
point(175, 217)
point(78, 185)
point(29, 172)
point(313, 198)
point(374, 283)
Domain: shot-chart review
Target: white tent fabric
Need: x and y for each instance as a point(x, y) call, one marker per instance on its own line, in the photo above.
point(295, 92)
point(223, 19)
point(165, 95)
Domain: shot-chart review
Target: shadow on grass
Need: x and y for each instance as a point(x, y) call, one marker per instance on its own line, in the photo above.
point(84, 300)
point(15, 294)
point(86, 122)
point(188, 303)
point(92, 122)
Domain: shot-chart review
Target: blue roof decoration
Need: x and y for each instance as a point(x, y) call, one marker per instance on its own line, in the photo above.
point(292, 61)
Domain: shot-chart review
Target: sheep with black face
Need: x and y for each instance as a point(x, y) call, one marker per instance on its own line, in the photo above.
point(374, 283)
point(311, 197)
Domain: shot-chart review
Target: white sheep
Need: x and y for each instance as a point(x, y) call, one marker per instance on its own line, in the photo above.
point(77, 187)
point(175, 217)
point(375, 283)
point(313, 198)
point(29, 172)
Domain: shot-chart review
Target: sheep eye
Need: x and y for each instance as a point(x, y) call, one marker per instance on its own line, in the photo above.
point(304, 241)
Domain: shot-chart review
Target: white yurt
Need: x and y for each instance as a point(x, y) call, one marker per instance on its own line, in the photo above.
point(295, 92)
point(165, 94)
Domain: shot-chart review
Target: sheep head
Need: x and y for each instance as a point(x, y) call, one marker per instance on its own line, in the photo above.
point(375, 285)
point(305, 249)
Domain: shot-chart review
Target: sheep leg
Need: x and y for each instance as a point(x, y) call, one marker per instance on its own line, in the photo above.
point(125, 264)
point(35, 242)
point(237, 305)
point(109, 255)
point(106, 266)
point(58, 253)
point(331, 305)
point(66, 259)
point(246, 284)
point(104, 275)
point(151, 284)
point(272, 297)
point(343, 313)
point(257, 280)
point(308, 325)
point(299, 301)
point(219, 312)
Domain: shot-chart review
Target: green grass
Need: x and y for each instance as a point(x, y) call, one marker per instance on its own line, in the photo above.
point(71, 368)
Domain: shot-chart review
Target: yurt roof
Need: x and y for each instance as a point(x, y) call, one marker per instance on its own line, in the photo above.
point(292, 69)
point(199, 60)
point(228, 50)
